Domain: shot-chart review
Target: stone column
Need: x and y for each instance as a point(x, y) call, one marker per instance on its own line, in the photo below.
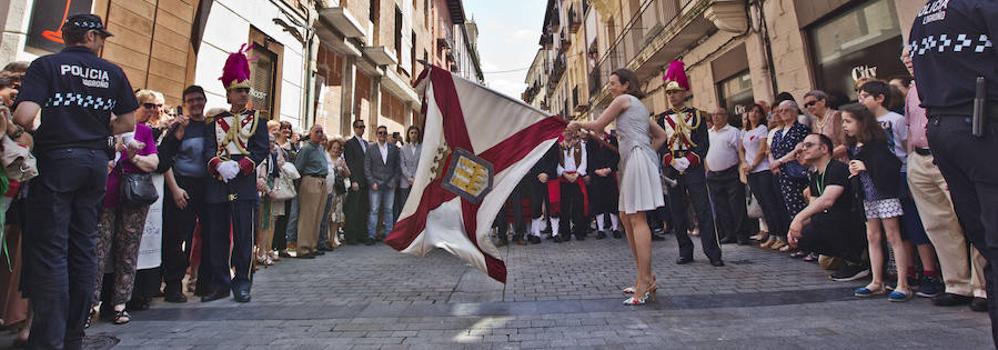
point(347, 96)
point(375, 107)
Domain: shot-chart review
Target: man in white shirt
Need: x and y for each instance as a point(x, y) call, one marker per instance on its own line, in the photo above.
point(383, 167)
point(726, 189)
point(574, 198)
point(356, 207)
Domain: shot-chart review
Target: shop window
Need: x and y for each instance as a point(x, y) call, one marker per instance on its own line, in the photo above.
point(864, 42)
point(265, 73)
point(47, 17)
point(735, 94)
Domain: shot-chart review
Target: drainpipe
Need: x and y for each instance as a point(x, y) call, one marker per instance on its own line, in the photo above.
point(311, 53)
point(768, 45)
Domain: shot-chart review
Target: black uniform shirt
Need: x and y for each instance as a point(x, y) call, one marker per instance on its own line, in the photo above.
point(78, 91)
point(951, 44)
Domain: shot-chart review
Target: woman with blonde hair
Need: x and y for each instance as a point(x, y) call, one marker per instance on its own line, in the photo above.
point(268, 173)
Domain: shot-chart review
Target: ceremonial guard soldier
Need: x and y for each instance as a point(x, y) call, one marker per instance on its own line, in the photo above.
point(603, 159)
point(236, 141)
point(570, 191)
point(956, 67)
point(682, 157)
point(540, 174)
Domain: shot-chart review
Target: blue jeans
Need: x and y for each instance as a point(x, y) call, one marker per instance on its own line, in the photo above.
point(384, 199)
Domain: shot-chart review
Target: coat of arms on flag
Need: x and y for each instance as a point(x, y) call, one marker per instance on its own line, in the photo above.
point(477, 146)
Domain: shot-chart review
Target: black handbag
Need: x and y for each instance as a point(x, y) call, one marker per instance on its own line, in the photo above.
point(138, 189)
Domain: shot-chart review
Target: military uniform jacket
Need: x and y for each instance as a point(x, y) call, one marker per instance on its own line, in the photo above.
point(686, 136)
point(241, 138)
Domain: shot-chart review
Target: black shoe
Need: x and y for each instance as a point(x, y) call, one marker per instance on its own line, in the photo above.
point(307, 256)
point(617, 234)
point(319, 252)
point(215, 296)
point(949, 299)
point(558, 239)
point(325, 248)
point(729, 240)
point(518, 239)
point(534, 239)
point(580, 237)
point(930, 287)
point(717, 263)
point(600, 235)
point(979, 305)
point(745, 241)
point(850, 272)
point(655, 237)
point(174, 296)
point(242, 295)
point(369, 242)
point(683, 260)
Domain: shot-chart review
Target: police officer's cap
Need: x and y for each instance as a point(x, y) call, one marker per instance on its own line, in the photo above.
point(86, 21)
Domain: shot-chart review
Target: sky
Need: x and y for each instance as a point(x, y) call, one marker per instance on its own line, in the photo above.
point(508, 34)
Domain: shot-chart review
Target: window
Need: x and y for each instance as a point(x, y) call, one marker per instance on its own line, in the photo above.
point(735, 94)
point(262, 71)
point(398, 34)
point(375, 9)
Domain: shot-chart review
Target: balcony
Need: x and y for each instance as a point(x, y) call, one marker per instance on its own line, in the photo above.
point(547, 40)
point(559, 69)
point(341, 19)
point(595, 81)
point(379, 55)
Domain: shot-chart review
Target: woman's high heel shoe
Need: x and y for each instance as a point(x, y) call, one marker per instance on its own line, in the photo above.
point(634, 300)
point(630, 290)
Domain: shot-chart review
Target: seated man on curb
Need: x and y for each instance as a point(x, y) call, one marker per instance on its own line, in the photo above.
point(830, 224)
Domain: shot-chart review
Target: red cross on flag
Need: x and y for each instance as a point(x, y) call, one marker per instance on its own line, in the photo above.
point(477, 146)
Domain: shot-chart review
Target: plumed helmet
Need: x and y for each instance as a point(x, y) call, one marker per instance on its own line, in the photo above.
point(236, 72)
point(675, 77)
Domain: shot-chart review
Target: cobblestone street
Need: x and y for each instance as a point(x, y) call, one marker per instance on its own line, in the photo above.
point(558, 295)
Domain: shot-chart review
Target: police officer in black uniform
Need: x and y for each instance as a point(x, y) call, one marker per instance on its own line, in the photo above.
point(956, 66)
point(76, 92)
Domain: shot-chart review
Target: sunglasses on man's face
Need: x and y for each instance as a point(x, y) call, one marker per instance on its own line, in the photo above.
point(152, 105)
point(382, 133)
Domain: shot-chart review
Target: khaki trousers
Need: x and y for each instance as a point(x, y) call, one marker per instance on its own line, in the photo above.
point(932, 198)
point(312, 202)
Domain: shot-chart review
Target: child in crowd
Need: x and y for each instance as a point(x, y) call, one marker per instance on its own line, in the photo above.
point(876, 168)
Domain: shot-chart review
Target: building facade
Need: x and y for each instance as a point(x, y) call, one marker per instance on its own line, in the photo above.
point(313, 61)
point(736, 51)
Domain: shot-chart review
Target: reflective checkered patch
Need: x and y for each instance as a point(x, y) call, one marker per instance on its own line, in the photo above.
point(85, 101)
point(963, 43)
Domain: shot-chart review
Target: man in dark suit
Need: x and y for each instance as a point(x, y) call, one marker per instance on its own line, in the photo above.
point(383, 167)
point(356, 206)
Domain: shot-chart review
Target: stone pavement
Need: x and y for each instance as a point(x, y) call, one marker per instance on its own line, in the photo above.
point(558, 295)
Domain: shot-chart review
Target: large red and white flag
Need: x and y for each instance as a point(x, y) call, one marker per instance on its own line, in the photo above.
point(477, 145)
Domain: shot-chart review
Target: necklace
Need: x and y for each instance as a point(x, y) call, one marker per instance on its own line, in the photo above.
point(820, 180)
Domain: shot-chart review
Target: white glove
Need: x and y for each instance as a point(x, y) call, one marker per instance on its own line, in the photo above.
point(228, 170)
point(680, 164)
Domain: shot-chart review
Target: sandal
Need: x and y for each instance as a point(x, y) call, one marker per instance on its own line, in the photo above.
point(798, 254)
point(121, 317)
point(90, 318)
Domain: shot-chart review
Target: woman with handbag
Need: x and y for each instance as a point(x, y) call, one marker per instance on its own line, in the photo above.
point(340, 176)
point(268, 177)
point(129, 193)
